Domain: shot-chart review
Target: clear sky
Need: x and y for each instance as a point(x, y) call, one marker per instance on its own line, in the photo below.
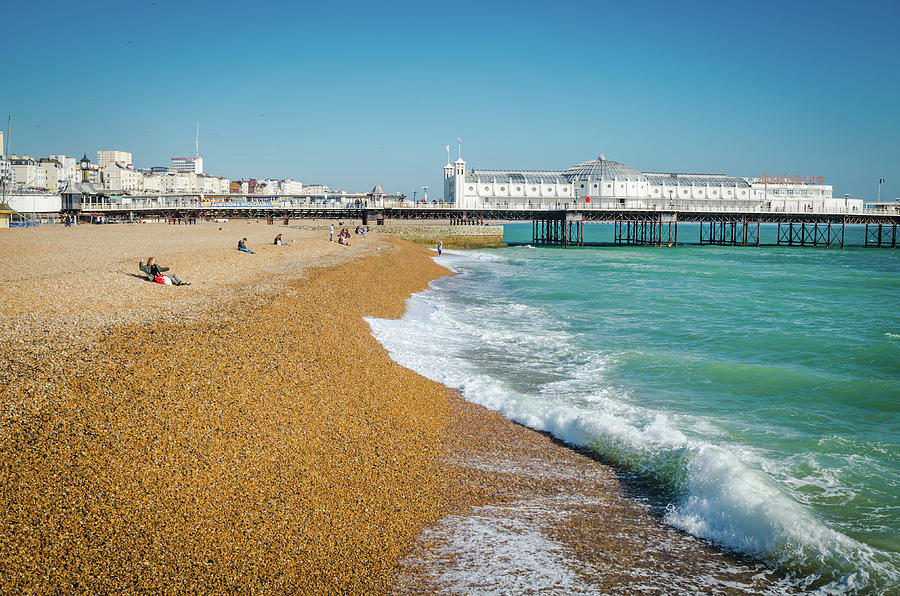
point(353, 94)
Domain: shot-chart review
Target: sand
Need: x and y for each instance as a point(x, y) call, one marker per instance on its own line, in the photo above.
point(246, 433)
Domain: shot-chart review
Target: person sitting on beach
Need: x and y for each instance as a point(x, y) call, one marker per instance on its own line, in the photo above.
point(242, 246)
point(155, 273)
point(279, 241)
point(345, 240)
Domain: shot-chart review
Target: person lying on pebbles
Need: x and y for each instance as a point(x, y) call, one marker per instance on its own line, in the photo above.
point(155, 273)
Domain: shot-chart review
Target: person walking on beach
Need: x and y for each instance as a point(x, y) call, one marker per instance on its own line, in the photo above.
point(155, 273)
point(440, 247)
point(242, 246)
point(331, 233)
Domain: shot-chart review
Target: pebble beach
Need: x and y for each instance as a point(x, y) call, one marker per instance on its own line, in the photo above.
point(246, 433)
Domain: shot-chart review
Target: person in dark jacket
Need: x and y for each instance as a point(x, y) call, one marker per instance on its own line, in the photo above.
point(154, 273)
point(242, 246)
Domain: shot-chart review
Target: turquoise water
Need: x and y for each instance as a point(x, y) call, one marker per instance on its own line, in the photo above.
point(756, 389)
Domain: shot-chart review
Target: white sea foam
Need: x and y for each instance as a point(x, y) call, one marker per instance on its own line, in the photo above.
point(499, 550)
point(493, 352)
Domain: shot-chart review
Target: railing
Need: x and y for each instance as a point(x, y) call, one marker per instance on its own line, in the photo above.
point(242, 203)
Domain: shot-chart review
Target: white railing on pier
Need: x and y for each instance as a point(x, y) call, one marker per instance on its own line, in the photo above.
point(168, 203)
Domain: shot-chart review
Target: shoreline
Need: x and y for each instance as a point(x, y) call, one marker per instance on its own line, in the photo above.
point(253, 433)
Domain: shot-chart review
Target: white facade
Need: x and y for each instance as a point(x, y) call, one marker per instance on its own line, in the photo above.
point(212, 185)
point(106, 158)
point(119, 177)
point(67, 170)
point(291, 187)
point(35, 202)
point(26, 172)
point(606, 184)
point(799, 197)
point(178, 183)
point(52, 171)
point(188, 164)
point(315, 189)
point(5, 173)
point(269, 186)
point(152, 183)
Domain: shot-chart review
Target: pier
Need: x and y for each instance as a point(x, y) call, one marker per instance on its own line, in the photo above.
point(562, 227)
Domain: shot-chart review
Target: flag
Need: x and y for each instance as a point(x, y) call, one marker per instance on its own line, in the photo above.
point(881, 181)
point(447, 148)
point(459, 139)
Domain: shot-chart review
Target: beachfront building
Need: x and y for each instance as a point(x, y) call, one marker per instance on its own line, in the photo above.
point(291, 187)
point(177, 183)
point(607, 184)
point(212, 185)
point(188, 164)
point(53, 173)
point(315, 189)
point(5, 173)
point(106, 158)
point(68, 170)
point(119, 177)
point(26, 172)
point(152, 183)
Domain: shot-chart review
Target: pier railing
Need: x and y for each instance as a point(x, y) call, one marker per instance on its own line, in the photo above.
point(169, 203)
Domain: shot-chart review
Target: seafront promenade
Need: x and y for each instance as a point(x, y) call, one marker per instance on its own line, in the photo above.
point(247, 433)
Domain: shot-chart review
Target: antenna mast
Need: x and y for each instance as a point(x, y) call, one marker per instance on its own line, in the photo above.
point(197, 142)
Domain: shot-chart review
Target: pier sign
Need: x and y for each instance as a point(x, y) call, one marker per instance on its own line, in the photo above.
point(790, 179)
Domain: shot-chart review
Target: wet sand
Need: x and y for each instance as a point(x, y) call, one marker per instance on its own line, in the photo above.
point(246, 433)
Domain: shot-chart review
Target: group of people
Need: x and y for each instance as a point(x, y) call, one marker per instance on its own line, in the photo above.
point(154, 272)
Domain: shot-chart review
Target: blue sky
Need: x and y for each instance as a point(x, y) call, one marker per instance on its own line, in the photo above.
point(353, 94)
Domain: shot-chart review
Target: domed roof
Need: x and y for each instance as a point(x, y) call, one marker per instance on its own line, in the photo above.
point(603, 169)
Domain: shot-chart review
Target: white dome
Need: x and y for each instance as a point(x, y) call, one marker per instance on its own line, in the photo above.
point(603, 169)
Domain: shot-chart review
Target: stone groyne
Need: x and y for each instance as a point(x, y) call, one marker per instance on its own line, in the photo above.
point(475, 236)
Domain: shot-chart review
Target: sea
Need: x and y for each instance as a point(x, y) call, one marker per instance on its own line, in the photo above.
point(754, 390)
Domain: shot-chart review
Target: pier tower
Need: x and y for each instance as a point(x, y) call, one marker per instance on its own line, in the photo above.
point(454, 179)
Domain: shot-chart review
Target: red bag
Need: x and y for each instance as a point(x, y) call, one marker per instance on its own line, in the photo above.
point(159, 279)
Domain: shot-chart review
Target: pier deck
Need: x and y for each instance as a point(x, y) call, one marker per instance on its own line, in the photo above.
point(562, 227)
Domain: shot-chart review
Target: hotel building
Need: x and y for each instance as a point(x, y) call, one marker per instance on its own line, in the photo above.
point(123, 158)
point(188, 164)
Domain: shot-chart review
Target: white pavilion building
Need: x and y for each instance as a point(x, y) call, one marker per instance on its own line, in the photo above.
point(606, 184)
